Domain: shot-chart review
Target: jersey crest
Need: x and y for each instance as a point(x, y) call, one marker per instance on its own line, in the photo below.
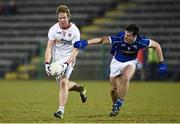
point(64, 37)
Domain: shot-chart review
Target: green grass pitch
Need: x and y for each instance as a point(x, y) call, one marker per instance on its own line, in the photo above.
point(36, 101)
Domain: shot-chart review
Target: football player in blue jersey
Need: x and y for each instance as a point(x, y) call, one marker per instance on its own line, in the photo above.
point(125, 47)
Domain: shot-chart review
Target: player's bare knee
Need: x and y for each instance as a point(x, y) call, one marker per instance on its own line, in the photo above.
point(63, 83)
point(125, 79)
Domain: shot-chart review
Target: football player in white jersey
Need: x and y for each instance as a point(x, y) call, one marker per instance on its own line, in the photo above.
point(59, 48)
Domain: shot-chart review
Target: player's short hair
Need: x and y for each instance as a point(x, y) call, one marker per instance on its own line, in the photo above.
point(133, 28)
point(63, 9)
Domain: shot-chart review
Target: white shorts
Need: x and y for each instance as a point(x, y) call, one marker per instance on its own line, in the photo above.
point(68, 70)
point(117, 67)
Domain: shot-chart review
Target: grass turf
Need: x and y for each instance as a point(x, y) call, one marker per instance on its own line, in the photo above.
point(36, 101)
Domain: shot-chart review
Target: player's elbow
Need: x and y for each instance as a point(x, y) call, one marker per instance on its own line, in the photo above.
point(155, 44)
point(105, 40)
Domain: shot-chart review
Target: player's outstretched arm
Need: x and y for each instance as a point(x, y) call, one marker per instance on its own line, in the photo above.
point(84, 43)
point(162, 68)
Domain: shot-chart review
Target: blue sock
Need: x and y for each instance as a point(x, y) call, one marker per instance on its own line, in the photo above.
point(118, 102)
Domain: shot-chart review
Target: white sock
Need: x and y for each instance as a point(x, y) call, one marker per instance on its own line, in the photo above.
point(61, 108)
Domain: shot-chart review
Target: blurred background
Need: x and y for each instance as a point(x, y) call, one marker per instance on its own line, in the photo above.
point(24, 26)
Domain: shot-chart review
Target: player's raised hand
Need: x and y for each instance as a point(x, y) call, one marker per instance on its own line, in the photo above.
point(47, 67)
point(81, 44)
point(162, 68)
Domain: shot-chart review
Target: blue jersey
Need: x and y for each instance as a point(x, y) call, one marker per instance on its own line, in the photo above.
point(123, 51)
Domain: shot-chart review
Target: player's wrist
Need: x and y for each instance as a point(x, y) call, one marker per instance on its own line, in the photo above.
point(66, 63)
point(161, 62)
point(47, 63)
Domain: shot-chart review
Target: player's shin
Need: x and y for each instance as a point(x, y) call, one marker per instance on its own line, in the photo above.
point(113, 96)
point(63, 93)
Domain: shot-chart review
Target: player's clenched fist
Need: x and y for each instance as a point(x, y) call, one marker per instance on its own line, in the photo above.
point(162, 68)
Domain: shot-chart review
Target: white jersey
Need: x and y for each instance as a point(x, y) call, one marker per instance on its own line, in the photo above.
point(64, 40)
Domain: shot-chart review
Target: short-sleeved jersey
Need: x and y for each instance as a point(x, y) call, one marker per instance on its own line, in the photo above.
point(123, 51)
point(63, 38)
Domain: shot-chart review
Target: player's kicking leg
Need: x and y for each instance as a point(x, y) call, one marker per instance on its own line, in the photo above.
point(83, 94)
point(81, 89)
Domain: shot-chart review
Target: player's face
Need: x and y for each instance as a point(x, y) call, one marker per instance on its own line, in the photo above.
point(129, 38)
point(63, 20)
